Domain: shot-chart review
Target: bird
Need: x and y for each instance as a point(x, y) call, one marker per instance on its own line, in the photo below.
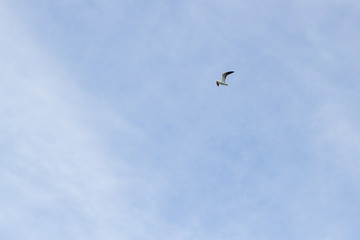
point(224, 75)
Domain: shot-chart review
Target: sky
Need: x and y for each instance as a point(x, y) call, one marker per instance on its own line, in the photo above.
point(112, 126)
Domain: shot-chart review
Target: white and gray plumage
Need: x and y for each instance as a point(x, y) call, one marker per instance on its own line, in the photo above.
point(224, 75)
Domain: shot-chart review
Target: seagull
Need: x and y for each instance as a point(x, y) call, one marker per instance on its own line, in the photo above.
point(224, 75)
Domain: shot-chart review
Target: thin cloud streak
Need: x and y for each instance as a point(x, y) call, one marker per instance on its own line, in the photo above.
point(57, 176)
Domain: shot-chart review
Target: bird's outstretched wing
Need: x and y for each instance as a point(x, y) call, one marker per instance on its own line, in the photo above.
point(225, 74)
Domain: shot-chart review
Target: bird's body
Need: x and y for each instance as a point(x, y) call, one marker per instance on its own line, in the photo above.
point(222, 81)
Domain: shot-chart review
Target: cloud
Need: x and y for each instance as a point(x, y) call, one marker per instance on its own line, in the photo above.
point(58, 178)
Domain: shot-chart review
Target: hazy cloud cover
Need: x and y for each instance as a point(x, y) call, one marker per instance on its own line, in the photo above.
point(113, 127)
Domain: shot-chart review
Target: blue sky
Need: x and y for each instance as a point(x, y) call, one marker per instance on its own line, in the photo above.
point(113, 127)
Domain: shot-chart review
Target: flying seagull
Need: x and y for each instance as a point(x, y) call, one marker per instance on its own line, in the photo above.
point(224, 75)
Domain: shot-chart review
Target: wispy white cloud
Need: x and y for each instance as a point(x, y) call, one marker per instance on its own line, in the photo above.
point(58, 178)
